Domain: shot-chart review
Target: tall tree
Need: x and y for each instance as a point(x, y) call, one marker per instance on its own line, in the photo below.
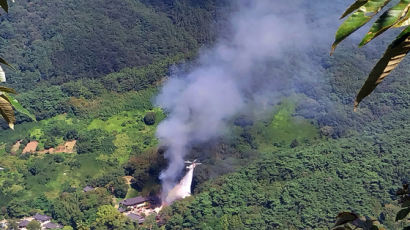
point(34, 225)
point(109, 218)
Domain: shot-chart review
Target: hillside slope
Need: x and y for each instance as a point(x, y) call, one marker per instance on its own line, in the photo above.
point(89, 72)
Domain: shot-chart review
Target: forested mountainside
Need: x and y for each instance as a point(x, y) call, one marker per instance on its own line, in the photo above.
point(89, 72)
point(72, 40)
point(62, 46)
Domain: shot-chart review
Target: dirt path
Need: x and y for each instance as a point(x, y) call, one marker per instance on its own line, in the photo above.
point(67, 147)
point(31, 147)
point(128, 179)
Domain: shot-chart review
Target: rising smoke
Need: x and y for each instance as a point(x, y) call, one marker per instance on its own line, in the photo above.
point(237, 71)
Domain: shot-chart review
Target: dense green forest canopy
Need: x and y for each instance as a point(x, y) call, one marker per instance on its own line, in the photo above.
point(71, 48)
point(70, 41)
point(89, 70)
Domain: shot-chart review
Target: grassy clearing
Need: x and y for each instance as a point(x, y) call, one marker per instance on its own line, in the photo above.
point(283, 129)
point(132, 134)
point(89, 167)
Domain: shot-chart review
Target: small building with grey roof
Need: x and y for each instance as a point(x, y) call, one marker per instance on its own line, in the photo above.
point(136, 218)
point(88, 188)
point(134, 201)
point(41, 218)
point(23, 223)
point(52, 225)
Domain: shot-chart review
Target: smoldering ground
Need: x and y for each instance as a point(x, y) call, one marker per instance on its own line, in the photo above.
point(269, 50)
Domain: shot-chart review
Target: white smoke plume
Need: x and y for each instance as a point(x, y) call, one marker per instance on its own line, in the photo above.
point(230, 75)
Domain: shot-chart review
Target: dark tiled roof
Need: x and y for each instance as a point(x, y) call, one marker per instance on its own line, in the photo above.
point(40, 217)
point(51, 225)
point(134, 201)
point(88, 188)
point(23, 223)
point(135, 217)
point(120, 209)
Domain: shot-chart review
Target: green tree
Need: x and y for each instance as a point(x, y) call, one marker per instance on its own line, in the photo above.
point(149, 118)
point(18, 209)
point(362, 11)
point(67, 228)
point(109, 218)
point(151, 223)
point(119, 187)
point(12, 225)
point(80, 208)
point(66, 209)
point(236, 223)
point(34, 225)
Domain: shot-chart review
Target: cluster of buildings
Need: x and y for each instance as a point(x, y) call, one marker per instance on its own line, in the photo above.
point(137, 208)
point(44, 220)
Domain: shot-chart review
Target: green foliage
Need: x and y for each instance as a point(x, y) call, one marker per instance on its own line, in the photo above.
point(71, 135)
point(283, 128)
point(16, 105)
point(34, 225)
point(50, 143)
point(52, 180)
point(13, 224)
point(149, 118)
point(145, 168)
point(119, 187)
point(402, 214)
point(69, 63)
point(364, 12)
point(7, 102)
point(17, 209)
point(45, 101)
point(139, 35)
point(397, 16)
point(293, 168)
point(95, 141)
point(347, 221)
point(109, 218)
point(300, 187)
point(113, 182)
point(65, 71)
point(76, 208)
point(387, 20)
